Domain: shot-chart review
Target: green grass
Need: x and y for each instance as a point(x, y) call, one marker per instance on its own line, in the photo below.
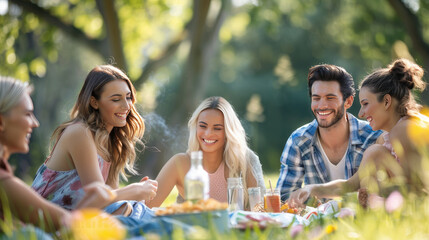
point(408, 221)
point(171, 198)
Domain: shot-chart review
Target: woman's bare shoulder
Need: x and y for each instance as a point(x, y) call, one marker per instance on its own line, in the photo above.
point(400, 130)
point(182, 158)
point(77, 126)
point(77, 136)
point(178, 163)
point(77, 130)
point(402, 125)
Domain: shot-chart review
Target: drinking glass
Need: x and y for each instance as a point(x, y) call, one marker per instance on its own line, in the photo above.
point(254, 197)
point(272, 201)
point(235, 194)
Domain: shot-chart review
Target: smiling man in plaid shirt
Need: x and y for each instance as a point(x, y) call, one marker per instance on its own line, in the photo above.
point(332, 145)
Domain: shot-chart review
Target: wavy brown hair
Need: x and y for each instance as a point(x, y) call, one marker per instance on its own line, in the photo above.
point(119, 145)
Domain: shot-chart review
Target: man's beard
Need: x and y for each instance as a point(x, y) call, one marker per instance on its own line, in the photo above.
point(340, 114)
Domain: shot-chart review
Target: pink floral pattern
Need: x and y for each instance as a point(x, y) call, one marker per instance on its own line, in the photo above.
point(63, 187)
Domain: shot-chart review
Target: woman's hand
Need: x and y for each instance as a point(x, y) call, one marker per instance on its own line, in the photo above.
point(147, 188)
point(144, 190)
point(97, 195)
point(298, 197)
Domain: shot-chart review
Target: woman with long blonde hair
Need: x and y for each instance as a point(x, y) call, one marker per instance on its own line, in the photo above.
point(97, 144)
point(215, 129)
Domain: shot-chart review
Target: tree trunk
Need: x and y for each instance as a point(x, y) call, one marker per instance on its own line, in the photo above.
point(204, 36)
point(413, 27)
point(114, 39)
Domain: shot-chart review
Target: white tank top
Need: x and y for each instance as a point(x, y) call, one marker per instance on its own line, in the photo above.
point(334, 171)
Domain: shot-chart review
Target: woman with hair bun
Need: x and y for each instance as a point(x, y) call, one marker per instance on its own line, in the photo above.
point(387, 103)
point(97, 144)
point(215, 129)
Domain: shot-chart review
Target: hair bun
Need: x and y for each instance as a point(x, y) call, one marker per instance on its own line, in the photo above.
point(407, 73)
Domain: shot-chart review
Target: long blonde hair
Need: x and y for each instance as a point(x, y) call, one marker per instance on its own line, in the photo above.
point(236, 150)
point(119, 145)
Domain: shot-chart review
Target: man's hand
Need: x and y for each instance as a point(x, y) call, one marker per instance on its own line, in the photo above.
point(298, 197)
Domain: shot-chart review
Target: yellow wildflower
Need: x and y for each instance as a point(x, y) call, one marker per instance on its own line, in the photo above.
point(330, 229)
point(94, 224)
point(419, 133)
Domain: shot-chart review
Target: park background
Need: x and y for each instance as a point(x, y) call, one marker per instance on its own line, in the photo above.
point(256, 54)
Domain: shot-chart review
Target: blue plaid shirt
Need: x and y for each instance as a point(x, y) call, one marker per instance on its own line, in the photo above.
point(302, 160)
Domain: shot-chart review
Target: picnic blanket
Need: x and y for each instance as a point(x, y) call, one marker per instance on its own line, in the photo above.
point(245, 219)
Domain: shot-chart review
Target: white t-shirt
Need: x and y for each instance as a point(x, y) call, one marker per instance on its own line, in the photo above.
point(334, 171)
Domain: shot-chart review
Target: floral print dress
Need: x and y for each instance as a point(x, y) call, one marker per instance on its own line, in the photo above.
point(63, 187)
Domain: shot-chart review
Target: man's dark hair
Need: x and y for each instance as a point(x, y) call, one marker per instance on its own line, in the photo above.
point(328, 72)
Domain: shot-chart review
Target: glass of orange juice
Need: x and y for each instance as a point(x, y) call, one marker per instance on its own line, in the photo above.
point(272, 201)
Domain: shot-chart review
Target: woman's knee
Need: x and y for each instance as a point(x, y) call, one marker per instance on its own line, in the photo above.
point(377, 154)
point(377, 160)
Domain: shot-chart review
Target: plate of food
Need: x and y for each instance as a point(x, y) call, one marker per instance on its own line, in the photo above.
point(208, 214)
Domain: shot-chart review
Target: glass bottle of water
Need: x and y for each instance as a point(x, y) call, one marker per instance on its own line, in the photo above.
point(235, 194)
point(197, 179)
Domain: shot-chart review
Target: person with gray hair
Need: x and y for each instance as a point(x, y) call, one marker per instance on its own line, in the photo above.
point(16, 125)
